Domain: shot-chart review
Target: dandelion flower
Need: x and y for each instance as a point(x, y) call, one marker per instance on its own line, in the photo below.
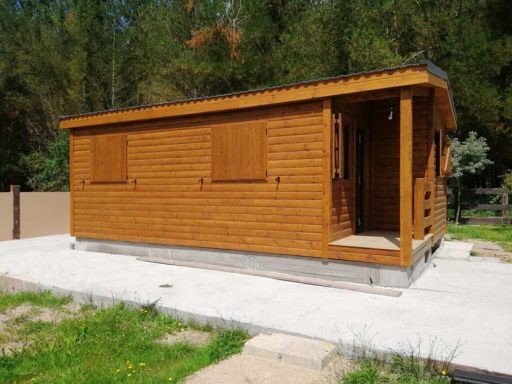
point(142, 364)
point(443, 372)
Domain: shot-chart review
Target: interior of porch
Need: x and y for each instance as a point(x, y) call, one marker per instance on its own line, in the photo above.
point(368, 150)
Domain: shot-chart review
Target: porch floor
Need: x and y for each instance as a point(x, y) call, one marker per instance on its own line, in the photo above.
point(377, 240)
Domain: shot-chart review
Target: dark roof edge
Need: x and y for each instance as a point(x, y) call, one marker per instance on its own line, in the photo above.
point(432, 68)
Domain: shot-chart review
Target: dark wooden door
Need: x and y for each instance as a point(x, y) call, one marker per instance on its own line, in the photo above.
point(359, 180)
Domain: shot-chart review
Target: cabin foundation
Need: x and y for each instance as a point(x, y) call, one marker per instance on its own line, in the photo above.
point(336, 270)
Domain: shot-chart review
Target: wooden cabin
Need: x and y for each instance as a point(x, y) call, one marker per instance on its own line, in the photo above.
point(350, 169)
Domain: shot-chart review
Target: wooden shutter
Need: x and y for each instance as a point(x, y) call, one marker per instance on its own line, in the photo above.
point(239, 152)
point(108, 159)
point(337, 147)
point(446, 159)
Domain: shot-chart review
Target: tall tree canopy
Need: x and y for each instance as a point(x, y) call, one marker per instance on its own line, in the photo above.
point(68, 56)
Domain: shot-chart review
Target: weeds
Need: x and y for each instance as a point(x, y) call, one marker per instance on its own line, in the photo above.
point(112, 345)
point(402, 370)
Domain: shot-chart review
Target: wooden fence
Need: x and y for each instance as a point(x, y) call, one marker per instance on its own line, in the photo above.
point(33, 214)
point(503, 206)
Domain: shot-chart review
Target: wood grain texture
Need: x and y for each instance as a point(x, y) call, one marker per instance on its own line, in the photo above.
point(440, 207)
point(287, 94)
point(384, 204)
point(239, 151)
point(168, 204)
point(326, 161)
point(108, 159)
point(71, 177)
point(406, 166)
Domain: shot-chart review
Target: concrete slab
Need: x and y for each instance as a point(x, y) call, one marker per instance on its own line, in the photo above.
point(455, 250)
point(245, 369)
point(454, 304)
point(295, 350)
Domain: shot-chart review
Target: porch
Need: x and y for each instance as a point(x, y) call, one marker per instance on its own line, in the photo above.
point(379, 240)
point(386, 161)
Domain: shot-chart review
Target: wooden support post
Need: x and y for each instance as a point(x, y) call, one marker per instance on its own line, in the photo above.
point(71, 181)
point(419, 209)
point(15, 189)
point(406, 176)
point(327, 189)
point(431, 167)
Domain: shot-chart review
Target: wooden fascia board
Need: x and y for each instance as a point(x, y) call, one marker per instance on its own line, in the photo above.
point(449, 117)
point(329, 88)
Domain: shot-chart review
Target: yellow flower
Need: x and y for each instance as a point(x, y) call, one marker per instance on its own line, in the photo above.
point(129, 374)
point(443, 372)
point(170, 378)
point(182, 329)
point(118, 370)
point(142, 364)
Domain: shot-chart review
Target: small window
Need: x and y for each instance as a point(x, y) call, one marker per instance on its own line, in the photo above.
point(239, 152)
point(108, 159)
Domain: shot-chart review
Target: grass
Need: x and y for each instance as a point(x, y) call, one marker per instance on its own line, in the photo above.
point(113, 345)
point(42, 299)
point(402, 370)
point(500, 234)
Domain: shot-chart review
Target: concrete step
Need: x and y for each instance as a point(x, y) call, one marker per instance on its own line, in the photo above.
point(455, 250)
point(295, 350)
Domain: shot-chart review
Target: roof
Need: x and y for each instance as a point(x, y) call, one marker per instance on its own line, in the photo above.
point(423, 73)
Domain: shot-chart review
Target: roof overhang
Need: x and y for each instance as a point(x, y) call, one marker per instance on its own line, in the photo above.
point(422, 74)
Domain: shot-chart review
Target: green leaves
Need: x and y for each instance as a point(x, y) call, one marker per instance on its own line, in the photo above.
point(469, 157)
point(65, 57)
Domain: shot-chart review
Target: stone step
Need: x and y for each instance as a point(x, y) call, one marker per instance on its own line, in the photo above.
point(295, 350)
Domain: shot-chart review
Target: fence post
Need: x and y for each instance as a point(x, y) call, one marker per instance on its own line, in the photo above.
point(504, 207)
point(15, 189)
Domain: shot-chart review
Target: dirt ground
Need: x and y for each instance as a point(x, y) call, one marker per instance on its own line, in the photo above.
point(189, 336)
point(488, 249)
point(13, 320)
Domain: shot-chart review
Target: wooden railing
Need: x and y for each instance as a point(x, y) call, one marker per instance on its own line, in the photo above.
point(423, 208)
point(500, 205)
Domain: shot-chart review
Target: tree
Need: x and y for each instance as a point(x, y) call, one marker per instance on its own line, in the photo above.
point(469, 157)
point(64, 57)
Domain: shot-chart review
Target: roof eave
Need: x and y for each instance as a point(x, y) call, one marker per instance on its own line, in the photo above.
point(424, 73)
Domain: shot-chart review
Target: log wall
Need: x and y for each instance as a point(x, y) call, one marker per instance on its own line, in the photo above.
point(165, 202)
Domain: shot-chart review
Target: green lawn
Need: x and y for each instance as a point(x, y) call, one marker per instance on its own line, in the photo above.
point(500, 234)
point(113, 345)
